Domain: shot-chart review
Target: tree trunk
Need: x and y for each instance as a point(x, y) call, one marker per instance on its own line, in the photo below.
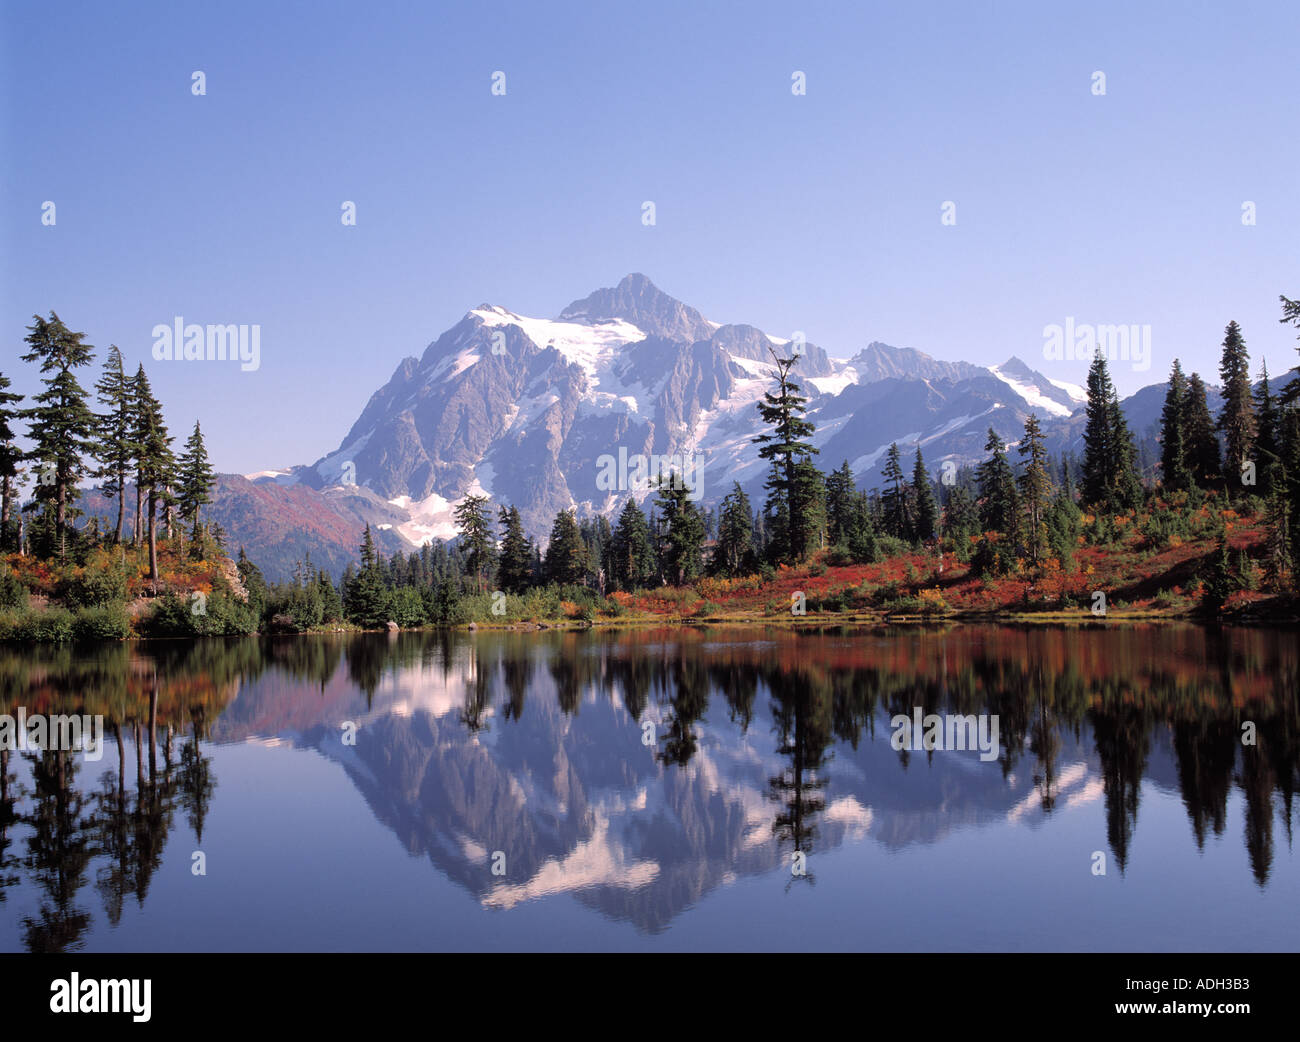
point(153, 732)
point(139, 513)
point(121, 768)
point(6, 507)
point(60, 516)
point(139, 759)
point(121, 505)
point(153, 541)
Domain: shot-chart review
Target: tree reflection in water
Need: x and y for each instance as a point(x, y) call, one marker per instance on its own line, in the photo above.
point(1133, 699)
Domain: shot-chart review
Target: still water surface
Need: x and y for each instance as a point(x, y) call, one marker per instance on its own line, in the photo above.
point(725, 788)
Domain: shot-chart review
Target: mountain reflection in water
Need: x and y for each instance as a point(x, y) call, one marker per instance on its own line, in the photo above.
point(638, 772)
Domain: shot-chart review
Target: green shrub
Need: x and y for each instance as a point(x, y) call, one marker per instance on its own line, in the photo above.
point(103, 622)
point(839, 555)
point(13, 594)
point(297, 608)
point(890, 546)
point(93, 585)
point(217, 615)
point(405, 607)
point(49, 626)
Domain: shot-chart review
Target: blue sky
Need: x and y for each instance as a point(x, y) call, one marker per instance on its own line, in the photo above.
point(819, 213)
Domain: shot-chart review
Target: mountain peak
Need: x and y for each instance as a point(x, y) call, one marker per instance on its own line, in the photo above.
point(1014, 366)
point(639, 301)
point(879, 361)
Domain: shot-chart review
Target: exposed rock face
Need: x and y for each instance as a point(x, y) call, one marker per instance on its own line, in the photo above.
point(524, 410)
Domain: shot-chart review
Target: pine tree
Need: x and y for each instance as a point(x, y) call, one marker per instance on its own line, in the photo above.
point(1288, 484)
point(601, 540)
point(1291, 315)
point(1128, 489)
point(682, 536)
point(961, 519)
point(1109, 478)
point(1237, 420)
point(11, 458)
point(785, 446)
point(1035, 488)
point(514, 572)
point(861, 536)
point(926, 516)
point(840, 496)
point(734, 553)
point(365, 598)
point(474, 525)
point(253, 580)
point(61, 423)
point(1218, 580)
point(633, 558)
point(156, 464)
point(894, 501)
point(1202, 444)
point(810, 507)
point(1267, 445)
point(115, 450)
point(195, 480)
point(566, 555)
point(997, 489)
point(331, 602)
point(1176, 474)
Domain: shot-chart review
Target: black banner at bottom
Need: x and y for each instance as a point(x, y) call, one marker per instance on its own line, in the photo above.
point(166, 991)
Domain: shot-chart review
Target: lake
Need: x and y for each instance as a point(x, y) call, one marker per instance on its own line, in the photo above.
point(971, 788)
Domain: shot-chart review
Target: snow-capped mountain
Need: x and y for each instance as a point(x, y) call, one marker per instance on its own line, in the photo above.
point(528, 411)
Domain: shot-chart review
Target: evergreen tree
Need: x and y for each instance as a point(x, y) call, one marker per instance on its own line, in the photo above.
point(631, 554)
point(328, 594)
point(195, 480)
point(156, 464)
point(11, 458)
point(61, 423)
point(514, 573)
point(1267, 444)
point(682, 536)
point(1287, 487)
point(1064, 523)
point(1109, 479)
point(1035, 488)
point(785, 446)
point(926, 516)
point(116, 450)
point(1202, 444)
point(810, 504)
point(566, 555)
point(365, 598)
point(1176, 474)
point(894, 501)
point(840, 504)
point(997, 489)
point(961, 519)
point(474, 525)
point(734, 553)
point(1291, 314)
point(861, 536)
point(1218, 580)
point(1237, 420)
point(600, 539)
point(254, 582)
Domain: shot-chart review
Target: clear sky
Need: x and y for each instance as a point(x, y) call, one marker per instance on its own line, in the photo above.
point(818, 212)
